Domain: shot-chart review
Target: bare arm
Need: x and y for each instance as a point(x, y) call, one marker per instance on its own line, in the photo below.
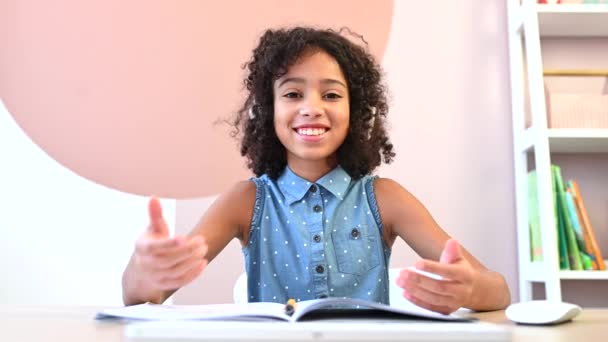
point(468, 282)
point(161, 264)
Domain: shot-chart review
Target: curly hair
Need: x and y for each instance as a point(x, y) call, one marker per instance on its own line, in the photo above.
point(366, 144)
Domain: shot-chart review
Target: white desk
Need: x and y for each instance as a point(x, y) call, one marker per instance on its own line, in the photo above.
point(324, 330)
point(21, 323)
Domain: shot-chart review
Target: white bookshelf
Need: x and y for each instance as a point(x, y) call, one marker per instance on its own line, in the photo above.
point(590, 275)
point(528, 22)
point(566, 140)
point(578, 140)
point(572, 20)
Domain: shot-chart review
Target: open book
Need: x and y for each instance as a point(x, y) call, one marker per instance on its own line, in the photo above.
point(307, 309)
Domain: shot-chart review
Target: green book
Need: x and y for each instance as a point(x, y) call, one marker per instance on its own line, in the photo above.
point(585, 255)
point(574, 255)
point(564, 263)
point(536, 246)
point(587, 261)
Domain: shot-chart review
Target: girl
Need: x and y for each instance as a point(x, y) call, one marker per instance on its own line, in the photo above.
point(314, 223)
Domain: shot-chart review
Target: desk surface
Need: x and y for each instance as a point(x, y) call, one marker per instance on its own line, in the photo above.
point(23, 323)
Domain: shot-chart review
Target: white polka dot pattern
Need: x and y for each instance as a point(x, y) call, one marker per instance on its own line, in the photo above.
point(315, 239)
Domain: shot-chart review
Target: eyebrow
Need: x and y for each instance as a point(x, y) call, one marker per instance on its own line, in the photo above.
point(301, 80)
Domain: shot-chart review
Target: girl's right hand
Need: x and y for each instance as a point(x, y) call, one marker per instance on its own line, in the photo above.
point(165, 263)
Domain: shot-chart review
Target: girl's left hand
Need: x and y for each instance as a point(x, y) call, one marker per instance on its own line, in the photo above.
point(444, 296)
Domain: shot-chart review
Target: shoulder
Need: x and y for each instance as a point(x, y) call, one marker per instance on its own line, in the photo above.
point(241, 192)
point(233, 210)
point(388, 188)
point(394, 194)
point(395, 203)
point(236, 203)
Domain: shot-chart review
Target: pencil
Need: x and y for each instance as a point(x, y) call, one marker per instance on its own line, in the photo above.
point(290, 307)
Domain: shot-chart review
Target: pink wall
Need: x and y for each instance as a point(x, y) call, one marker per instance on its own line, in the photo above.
point(126, 94)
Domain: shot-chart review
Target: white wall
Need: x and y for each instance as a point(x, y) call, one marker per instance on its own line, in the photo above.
point(64, 239)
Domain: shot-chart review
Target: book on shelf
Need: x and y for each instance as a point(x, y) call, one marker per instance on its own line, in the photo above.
point(325, 308)
point(595, 2)
point(574, 255)
point(586, 255)
point(576, 242)
point(590, 242)
point(564, 260)
point(536, 245)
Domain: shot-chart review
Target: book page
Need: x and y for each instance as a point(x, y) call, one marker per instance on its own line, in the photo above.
point(262, 311)
point(413, 312)
point(243, 311)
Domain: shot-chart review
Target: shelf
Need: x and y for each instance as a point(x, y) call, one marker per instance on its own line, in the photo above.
point(578, 140)
point(593, 275)
point(576, 72)
point(576, 21)
point(572, 20)
point(535, 271)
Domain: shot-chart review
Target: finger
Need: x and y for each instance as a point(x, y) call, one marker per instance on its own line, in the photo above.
point(146, 245)
point(438, 302)
point(189, 247)
point(446, 310)
point(157, 222)
point(196, 248)
point(176, 283)
point(427, 296)
point(451, 252)
point(163, 255)
point(409, 278)
point(179, 270)
point(447, 271)
point(164, 262)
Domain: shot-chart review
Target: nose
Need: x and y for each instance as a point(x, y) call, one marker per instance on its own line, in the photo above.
point(311, 107)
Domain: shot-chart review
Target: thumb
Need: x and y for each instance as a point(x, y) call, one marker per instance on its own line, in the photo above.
point(451, 252)
point(157, 222)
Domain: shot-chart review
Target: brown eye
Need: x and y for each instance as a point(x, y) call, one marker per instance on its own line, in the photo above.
point(333, 96)
point(292, 95)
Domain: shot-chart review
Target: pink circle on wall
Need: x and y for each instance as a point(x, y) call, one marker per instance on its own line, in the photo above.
point(128, 93)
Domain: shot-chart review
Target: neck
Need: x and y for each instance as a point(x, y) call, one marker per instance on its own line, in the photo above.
point(312, 170)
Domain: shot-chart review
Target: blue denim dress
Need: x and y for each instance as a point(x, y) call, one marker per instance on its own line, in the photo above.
point(313, 240)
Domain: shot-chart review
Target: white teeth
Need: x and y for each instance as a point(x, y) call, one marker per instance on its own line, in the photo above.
point(311, 131)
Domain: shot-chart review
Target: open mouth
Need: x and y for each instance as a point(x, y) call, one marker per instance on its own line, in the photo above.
point(311, 132)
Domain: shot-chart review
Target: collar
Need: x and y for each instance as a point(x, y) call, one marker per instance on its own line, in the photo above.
point(294, 187)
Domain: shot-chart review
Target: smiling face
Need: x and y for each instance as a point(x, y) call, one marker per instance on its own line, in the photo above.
point(311, 109)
